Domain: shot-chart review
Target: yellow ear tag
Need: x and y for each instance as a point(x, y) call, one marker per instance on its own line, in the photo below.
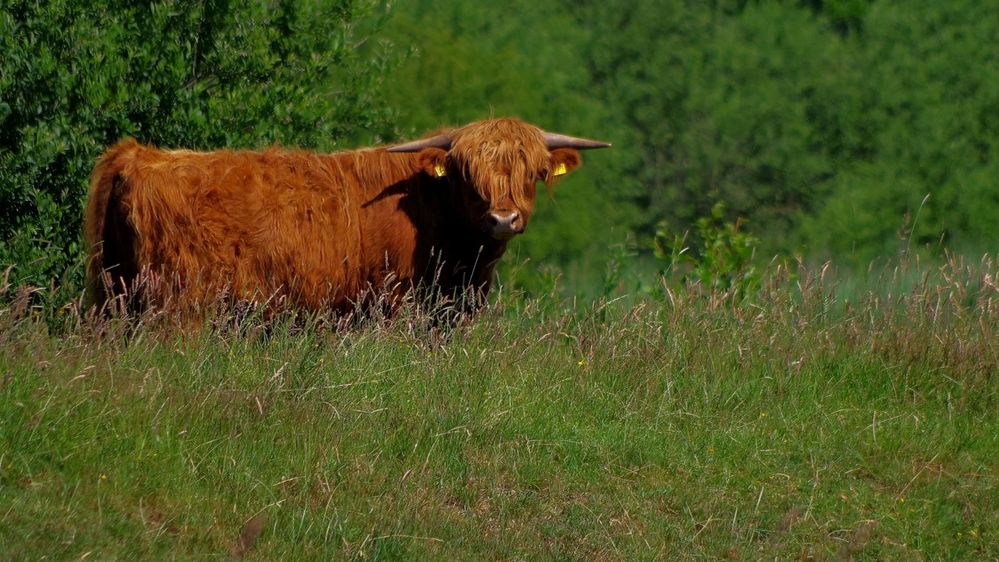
point(439, 170)
point(560, 170)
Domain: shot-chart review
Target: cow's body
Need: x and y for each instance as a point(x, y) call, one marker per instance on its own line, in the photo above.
point(315, 231)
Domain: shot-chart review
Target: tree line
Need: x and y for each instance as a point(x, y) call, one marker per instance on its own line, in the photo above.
point(851, 129)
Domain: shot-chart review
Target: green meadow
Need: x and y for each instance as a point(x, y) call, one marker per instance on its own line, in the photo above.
point(807, 421)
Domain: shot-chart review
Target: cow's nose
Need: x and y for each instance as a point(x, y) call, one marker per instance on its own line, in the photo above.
point(506, 224)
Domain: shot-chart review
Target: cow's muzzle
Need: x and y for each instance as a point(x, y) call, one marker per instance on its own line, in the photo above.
point(505, 224)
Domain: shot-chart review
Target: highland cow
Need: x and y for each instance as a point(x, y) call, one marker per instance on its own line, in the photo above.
point(316, 231)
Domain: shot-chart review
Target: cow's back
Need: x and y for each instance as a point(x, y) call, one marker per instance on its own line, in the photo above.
point(258, 225)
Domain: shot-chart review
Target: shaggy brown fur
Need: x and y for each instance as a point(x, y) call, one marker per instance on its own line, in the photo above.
point(315, 230)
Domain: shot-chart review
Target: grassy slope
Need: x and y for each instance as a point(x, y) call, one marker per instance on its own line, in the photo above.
point(682, 427)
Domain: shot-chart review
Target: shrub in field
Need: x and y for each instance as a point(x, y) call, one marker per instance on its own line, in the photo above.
point(76, 76)
point(720, 255)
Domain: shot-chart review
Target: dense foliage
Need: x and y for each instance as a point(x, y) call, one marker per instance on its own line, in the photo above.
point(855, 129)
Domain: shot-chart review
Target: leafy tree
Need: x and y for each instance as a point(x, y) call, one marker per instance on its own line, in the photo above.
point(729, 103)
point(931, 122)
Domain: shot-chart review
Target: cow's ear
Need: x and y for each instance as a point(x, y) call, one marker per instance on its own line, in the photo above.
point(563, 161)
point(433, 161)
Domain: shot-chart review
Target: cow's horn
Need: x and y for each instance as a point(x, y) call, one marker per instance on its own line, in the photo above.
point(439, 141)
point(555, 140)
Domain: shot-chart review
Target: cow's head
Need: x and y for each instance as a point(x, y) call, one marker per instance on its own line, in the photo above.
point(495, 165)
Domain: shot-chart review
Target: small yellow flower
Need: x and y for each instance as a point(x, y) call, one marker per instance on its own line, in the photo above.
point(581, 362)
point(104, 476)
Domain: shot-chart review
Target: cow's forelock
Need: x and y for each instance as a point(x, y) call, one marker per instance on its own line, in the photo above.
point(501, 159)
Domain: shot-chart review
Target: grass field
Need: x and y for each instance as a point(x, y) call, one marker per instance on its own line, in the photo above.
point(800, 423)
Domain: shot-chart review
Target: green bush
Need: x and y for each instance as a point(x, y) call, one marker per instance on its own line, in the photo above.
point(719, 255)
point(77, 76)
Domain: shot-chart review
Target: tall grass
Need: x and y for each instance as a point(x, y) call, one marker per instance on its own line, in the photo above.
point(808, 419)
